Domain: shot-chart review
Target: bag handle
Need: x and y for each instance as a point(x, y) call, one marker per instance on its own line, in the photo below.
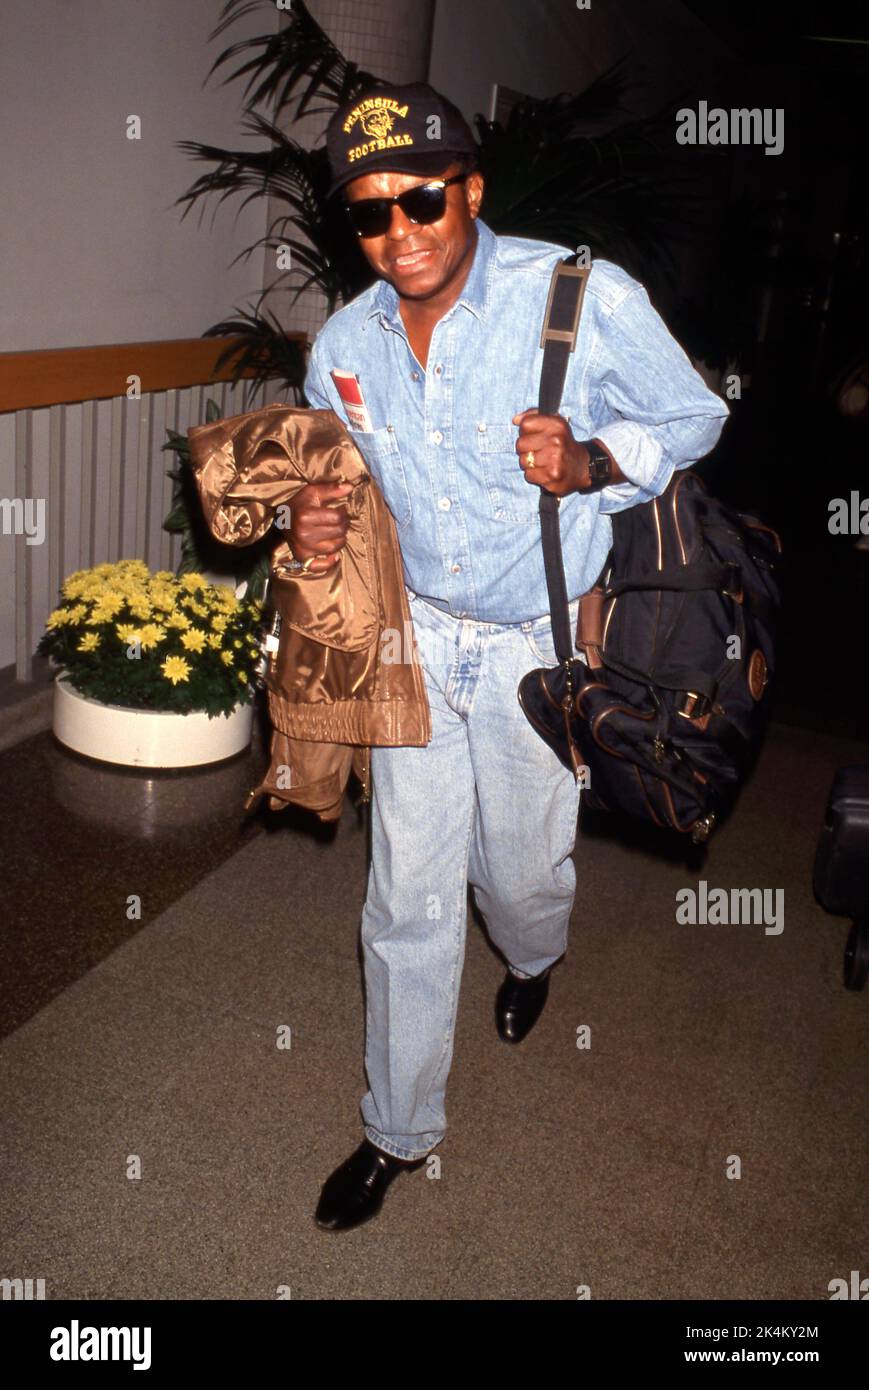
point(558, 340)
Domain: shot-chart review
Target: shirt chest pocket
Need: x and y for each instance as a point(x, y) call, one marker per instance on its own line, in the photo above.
point(380, 450)
point(510, 497)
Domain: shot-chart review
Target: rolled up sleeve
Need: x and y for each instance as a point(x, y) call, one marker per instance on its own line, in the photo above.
point(658, 413)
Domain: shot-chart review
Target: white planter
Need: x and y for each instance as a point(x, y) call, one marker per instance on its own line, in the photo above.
point(146, 738)
point(227, 580)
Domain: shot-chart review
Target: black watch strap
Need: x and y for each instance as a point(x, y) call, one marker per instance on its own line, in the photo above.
point(600, 464)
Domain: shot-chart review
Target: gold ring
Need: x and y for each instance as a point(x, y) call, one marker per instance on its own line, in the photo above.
point(530, 458)
point(306, 564)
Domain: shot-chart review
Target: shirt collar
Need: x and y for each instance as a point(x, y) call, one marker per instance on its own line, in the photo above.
point(475, 294)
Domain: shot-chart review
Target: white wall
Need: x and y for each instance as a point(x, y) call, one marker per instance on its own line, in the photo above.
point(92, 250)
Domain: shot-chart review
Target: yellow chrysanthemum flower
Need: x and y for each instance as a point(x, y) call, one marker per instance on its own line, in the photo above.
point(150, 635)
point(219, 622)
point(77, 613)
point(89, 642)
point(175, 669)
point(215, 641)
point(242, 675)
point(227, 658)
point(59, 618)
point(76, 587)
point(194, 640)
point(127, 632)
point(178, 620)
point(163, 594)
point(192, 582)
point(106, 608)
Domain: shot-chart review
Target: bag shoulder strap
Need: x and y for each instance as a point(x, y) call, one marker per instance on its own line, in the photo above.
point(558, 340)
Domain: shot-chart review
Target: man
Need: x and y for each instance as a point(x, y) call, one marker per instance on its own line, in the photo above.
point(435, 370)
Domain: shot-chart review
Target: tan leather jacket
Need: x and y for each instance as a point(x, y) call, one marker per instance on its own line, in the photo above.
point(341, 679)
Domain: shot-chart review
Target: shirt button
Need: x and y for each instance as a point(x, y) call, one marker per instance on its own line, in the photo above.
point(438, 370)
point(444, 504)
point(437, 437)
point(456, 569)
point(414, 376)
point(481, 429)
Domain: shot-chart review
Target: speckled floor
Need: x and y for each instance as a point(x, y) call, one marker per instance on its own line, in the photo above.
point(154, 1043)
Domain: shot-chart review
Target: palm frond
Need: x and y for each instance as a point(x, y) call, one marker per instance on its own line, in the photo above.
point(264, 350)
point(298, 62)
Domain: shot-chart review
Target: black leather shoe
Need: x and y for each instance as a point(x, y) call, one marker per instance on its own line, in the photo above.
point(355, 1191)
point(519, 1004)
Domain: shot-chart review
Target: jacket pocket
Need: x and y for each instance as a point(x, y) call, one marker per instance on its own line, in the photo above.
point(510, 497)
point(380, 450)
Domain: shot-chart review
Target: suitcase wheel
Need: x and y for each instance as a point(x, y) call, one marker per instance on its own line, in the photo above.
point(857, 956)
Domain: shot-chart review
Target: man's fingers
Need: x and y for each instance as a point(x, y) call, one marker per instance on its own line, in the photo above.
point(324, 493)
point(323, 520)
point(531, 441)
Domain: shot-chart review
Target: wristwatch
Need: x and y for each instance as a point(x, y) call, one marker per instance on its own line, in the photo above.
point(600, 465)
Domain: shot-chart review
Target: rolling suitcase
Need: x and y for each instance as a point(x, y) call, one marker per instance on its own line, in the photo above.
point(841, 875)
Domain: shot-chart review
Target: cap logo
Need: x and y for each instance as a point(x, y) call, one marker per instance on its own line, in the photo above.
point(376, 116)
point(377, 123)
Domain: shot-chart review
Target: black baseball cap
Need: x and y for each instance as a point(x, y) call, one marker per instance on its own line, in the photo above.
point(406, 130)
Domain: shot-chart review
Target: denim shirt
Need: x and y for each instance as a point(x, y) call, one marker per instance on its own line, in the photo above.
point(442, 446)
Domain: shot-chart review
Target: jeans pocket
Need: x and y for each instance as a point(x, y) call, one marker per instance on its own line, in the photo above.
point(542, 645)
point(541, 641)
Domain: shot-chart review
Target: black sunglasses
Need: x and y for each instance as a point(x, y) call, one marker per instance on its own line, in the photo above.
point(424, 203)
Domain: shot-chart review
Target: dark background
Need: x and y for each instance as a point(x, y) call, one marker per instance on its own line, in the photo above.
point(792, 235)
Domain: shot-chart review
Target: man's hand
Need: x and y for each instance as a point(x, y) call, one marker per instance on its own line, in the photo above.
point(319, 527)
point(559, 462)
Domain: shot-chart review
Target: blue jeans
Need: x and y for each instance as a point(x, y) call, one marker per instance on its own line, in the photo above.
point(485, 802)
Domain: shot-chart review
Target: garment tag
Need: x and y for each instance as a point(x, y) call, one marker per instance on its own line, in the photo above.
point(348, 388)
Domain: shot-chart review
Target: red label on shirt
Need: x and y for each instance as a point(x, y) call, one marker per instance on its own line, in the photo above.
point(348, 388)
